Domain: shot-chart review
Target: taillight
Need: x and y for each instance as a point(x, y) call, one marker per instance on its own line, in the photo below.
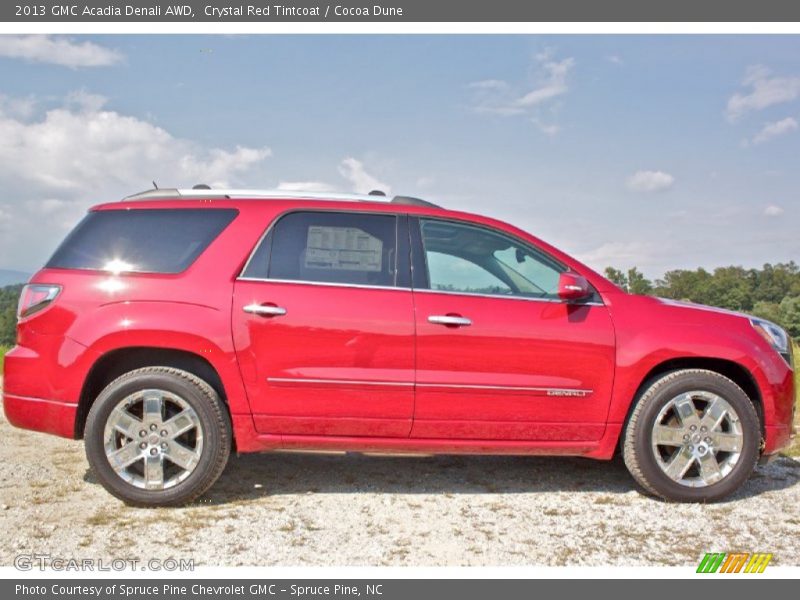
point(36, 297)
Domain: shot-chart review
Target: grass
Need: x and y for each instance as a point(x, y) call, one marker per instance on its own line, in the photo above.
point(794, 449)
point(796, 373)
point(3, 350)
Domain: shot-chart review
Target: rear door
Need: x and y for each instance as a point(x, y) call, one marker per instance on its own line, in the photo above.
point(323, 324)
point(499, 355)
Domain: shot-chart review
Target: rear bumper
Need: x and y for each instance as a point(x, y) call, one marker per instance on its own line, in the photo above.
point(38, 414)
point(42, 383)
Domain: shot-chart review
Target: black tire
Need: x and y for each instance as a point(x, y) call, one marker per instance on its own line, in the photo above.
point(211, 418)
point(640, 456)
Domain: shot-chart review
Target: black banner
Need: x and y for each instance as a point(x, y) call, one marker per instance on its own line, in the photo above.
point(187, 11)
point(386, 589)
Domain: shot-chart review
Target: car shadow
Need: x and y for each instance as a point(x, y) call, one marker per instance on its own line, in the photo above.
point(255, 476)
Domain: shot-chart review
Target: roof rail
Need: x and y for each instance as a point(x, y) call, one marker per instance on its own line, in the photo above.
point(166, 193)
point(410, 200)
point(204, 192)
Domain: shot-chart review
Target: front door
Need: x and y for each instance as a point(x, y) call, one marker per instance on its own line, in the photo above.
point(499, 356)
point(323, 331)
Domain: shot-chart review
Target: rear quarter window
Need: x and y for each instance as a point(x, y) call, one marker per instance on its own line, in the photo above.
point(329, 247)
point(141, 240)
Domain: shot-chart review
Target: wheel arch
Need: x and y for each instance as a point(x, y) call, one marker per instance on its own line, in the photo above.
point(115, 363)
point(734, 371)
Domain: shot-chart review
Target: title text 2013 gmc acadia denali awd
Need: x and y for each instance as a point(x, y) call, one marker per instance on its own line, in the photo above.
point(176, 326)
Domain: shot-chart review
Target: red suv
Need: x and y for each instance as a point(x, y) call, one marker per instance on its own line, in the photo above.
point(176, 326)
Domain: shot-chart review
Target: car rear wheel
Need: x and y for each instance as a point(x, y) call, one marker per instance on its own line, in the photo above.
point(693, 436)
point(158, 436)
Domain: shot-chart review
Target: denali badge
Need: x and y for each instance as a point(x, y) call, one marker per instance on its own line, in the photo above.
point(575, 393)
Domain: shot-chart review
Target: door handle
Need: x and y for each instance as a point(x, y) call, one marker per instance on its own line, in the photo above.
point(450, 320)
point(265, 310)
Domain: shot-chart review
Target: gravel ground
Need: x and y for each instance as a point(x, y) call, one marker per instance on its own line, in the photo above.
point(301, 509)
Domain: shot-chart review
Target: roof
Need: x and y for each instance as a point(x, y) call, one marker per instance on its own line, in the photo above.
point(238, 194)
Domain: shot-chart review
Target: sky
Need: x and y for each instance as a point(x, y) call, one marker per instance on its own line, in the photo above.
point(658, 151)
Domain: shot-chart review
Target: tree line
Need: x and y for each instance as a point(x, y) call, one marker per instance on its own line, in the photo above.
point(771, 292)
point(9, 296)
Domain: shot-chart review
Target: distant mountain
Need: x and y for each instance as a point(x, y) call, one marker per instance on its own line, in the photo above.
point(11, 277)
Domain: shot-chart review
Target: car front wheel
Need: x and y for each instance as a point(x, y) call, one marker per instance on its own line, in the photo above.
point(157, 436)
point(693, 436)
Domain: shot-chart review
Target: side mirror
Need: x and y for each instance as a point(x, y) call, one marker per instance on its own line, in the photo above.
point(572, 286)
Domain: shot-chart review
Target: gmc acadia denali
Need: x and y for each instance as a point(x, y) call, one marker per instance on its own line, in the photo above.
point(176, 326)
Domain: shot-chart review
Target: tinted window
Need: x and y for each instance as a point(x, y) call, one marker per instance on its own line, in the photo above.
point(329, 248)
point(463, 258)
point(455, 274)
point(146, 240)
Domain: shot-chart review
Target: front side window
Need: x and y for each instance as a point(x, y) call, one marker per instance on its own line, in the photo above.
point(326, 247)
point(474, 260)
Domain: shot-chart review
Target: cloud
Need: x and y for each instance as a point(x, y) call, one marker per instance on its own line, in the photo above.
point(85, 101)
point(57, 51)
point(650, 181)
point(489, 84)
point(5, 218)
point(765, 90)
point(54, 165)
point(22, 108)
point(306, 186)
point(773, 210)
point(498, 97)
point(773, 130)
point(354, 171)
point(622, 254)
point(550, 129)
point(554, 84)
point(81, 145)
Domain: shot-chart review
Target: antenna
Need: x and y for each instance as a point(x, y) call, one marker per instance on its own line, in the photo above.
point(155, 185)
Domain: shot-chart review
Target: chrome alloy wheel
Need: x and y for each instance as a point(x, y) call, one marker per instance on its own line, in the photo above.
point(697, 439)
point(153, 439)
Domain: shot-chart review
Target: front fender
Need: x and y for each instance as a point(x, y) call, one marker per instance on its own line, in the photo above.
point(650, 334)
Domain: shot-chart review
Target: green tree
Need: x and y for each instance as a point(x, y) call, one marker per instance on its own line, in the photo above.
point(790, 315)
point(730, 287)
point(685, 285)
point(8, 314)
point(774, 283)
point(617, 277)
point(771, 311)
point(633, 281)
point(638, 283)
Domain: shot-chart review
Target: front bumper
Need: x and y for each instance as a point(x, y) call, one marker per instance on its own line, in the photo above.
point(778, 437)
point(775, 378)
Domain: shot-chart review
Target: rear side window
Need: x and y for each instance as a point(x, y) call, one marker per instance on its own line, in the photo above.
point(141, 240)
point(347, 248)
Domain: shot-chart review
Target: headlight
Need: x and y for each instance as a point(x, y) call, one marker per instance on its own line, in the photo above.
point(775, 336)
